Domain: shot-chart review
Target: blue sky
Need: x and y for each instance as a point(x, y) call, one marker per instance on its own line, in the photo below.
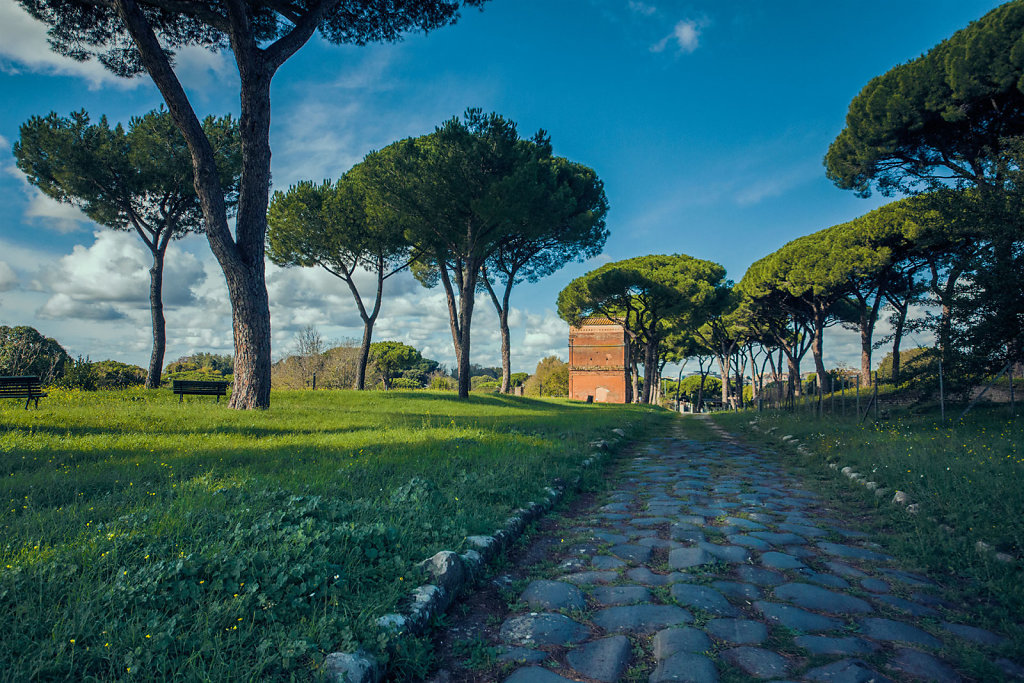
point(707, 121)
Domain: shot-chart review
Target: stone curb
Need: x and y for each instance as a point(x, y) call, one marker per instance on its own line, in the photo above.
point(898, 498)
point(450, 571)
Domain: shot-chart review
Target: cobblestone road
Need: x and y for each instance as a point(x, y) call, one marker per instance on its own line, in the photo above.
point(709, 562)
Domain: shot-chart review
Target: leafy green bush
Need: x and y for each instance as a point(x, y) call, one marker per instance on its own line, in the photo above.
point(24, 351)
point(405, 383)
point(442, 383)
point(80, 373)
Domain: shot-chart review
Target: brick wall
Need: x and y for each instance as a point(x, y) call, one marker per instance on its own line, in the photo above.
point(597, 362)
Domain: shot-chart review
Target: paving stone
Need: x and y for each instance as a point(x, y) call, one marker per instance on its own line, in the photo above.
point(614, 507)
point(875, 585)
point(846, 671)
point(641, 618)
point(604, 660)
point(907, 606)
point(650, 521)
point(521, 655)
point(607, 537)
point(727, 553)
point(704, 598)
point(748, 541)
point(744, 524)
point(544, 595)
point(931, 600)
point(686, 532)
point(535, 674)
point(844, 569)
point(777, 539)
point(691, 519)
point(757, 662)
point(656, 543)
point(648, 578)
point(586, 578)
point(781, 561)
point(636, 554)
point(799, 551)
point(975, 634)
point(760, 577)
point(605, 562)
point(924, 666)
point(620, 595)
point(687, 667)
point(821, 599)
point(823, 645)
point(670, 641)
point(542, 629)
point(682, 558)
point(805, 530)
point(708, 511)
point(796, 618)
point(823, 579)
point(735, 589)
point(897, 631)
point(738, 631)
point(910, 579)
point(849, 551)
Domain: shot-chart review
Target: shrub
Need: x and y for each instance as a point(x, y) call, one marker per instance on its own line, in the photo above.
point(405, 383)
point(24, 351)
point(442, 382)
point(111, 374)
point(550, 379)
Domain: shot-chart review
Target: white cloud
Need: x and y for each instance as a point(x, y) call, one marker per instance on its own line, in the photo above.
point(8, 278)
point(23, 45)
point(642, 8)
point(685, 34)
point(110, 279)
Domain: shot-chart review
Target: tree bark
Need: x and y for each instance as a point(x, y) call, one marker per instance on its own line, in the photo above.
point(649, 371)
point(466, 301)
point(501, 306)
point(816, 353)
point(897, 340)
point(156, 309)
point(240, 258)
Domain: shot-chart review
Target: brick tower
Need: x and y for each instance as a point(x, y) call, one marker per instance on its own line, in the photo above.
point(598, 361)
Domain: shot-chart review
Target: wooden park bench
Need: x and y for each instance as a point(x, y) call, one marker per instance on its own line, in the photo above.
point(27, 387)
point(195, 387)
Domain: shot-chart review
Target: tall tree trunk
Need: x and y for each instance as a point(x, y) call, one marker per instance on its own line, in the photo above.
point(156, 309)
point(897, 340)
point(250, 305)
point(794, 376)
point(466, 302)
point(369, 319)
point(724, 370)
point(364, 354)
point(816, 353)
point(501, 306)
point(650, 370)
point(240, 258)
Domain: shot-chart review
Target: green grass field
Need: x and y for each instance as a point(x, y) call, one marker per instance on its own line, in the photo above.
point(968, 478)
point(151, 539)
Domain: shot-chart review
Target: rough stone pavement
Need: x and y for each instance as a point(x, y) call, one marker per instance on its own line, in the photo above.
point(709, 562)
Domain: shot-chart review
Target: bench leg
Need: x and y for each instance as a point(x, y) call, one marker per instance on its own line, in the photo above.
point(181, 398)
point(27, 402)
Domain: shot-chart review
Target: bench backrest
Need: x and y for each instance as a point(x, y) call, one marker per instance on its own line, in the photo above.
point(195, 386)
point(20, 387)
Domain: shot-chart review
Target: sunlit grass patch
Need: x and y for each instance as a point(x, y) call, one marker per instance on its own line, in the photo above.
point(190, 540)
